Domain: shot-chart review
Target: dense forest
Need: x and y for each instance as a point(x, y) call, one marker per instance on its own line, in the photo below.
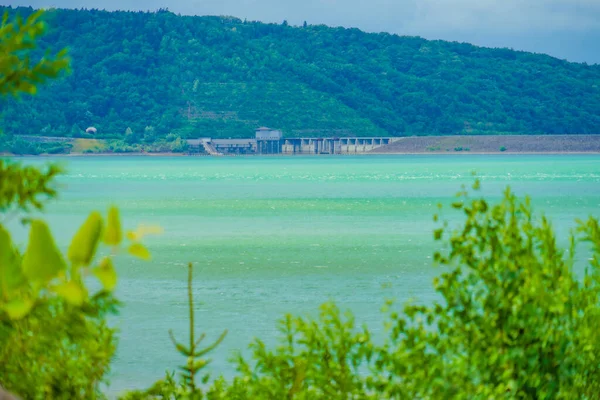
point(142, 76)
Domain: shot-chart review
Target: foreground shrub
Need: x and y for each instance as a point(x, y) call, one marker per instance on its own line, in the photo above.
point(54, 340)
point(317, 359)
point(515, 320)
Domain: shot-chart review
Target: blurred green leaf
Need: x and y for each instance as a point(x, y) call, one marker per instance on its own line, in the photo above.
point(85, 242)
point(72, 292)
point(18, 308)
point(142, 231)
point(42, 260)
point(106, 274)
point(113, 234)
point(138, 250)
point(11, 275)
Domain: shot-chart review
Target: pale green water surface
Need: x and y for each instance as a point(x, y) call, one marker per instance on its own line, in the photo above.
point(275, 235)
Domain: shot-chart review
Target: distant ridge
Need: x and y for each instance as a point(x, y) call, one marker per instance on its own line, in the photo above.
point(159, 73)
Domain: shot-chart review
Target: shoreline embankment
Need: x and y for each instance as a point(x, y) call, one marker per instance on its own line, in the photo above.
point(494, 144)
point(433, 145)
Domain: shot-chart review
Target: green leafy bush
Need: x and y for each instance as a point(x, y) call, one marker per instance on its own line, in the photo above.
point(54, 340)
point(515, 321)
point(316, 359)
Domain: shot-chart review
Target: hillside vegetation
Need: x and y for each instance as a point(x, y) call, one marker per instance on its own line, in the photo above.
point(160, 73)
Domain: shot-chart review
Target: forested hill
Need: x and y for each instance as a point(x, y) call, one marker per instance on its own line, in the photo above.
point(160, 73)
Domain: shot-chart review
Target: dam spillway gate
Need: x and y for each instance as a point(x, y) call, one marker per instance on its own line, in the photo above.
point(273, 143)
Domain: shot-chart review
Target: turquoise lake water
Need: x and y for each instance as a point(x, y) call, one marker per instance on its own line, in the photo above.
point(283, 234)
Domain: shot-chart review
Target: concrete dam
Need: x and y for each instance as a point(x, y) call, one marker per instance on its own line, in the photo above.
point(269, 141)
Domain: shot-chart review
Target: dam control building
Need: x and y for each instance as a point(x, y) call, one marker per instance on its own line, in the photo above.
point(272, 141)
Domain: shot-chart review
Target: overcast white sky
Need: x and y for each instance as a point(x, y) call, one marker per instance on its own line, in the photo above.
point(568, 29)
